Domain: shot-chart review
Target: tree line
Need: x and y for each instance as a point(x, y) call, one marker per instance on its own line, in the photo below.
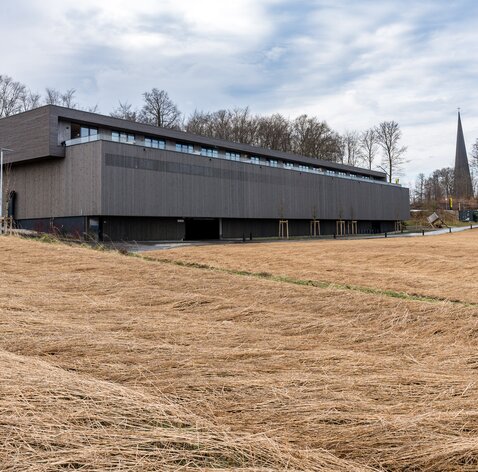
point(437, 190)
point(304, 135)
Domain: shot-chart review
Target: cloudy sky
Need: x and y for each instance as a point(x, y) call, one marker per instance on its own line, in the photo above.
point(351, 63)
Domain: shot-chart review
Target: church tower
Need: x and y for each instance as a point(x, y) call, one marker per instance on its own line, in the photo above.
point(463, 188)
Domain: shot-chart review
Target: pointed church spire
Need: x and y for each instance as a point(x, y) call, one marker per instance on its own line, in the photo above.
point(462, 188)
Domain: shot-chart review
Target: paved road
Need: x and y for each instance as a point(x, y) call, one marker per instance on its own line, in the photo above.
point(456, 229)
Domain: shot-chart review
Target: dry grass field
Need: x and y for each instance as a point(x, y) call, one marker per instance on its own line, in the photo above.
point(110, 362)
point(443, 266)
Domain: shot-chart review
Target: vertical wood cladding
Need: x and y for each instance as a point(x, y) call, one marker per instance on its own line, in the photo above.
point(116, 179)
point(28, 134)
point(144, 182)
point(60, 186)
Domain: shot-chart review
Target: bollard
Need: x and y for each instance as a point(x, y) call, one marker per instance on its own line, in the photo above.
point(423, 232)
point(385, 234)
point(471, 225)
point(243, 238)
point(250, 237)
point(335, 236)
point(449, 230)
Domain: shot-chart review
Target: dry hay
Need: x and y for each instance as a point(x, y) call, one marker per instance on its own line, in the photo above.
point(52, 419)
point(102, 351)
point(442, 266)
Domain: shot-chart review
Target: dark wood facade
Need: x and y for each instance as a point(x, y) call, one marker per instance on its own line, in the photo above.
point(130, 191)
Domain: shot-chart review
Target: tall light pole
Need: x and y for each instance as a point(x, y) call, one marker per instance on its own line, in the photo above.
point(2, 150)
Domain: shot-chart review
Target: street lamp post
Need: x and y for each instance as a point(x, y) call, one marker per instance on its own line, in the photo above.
point(2, 150)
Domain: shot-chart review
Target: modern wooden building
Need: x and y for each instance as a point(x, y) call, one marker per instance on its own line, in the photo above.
point(83, 173)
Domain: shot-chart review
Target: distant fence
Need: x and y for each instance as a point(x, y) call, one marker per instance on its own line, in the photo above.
point(6, 225)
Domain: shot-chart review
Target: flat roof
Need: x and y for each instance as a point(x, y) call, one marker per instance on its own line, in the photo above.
point(85, 117)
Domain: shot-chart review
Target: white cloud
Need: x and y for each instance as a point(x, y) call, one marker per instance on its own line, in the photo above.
point(353, 64)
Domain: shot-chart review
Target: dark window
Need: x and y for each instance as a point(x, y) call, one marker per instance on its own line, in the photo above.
point(255, 160)
point(80, 131)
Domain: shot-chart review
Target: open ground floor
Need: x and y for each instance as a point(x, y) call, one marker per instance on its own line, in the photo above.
point(119, 228)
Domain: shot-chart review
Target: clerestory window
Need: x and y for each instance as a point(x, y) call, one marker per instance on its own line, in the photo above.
point(120, 137)
point(154, 143)
point(209, 152)
point(187, 148)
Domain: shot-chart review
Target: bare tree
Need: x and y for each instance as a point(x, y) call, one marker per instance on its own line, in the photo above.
point(368, 146)
point(351, 146)
point(273, 132)
point(447, 176)
point(221, 123)
point(199, 123)
point(236, 125)
point(436, 190)
point(160, 110)
point(12, 95)
point(64, 99)
point(125, 111)
point(304, 135)
point(52, 96)
point(67, 99)
point(243, 126)
point(313, 138)
point(474, 156)
point(91, 109)
point(388, 138)
point(419, 191)
point(30, 100)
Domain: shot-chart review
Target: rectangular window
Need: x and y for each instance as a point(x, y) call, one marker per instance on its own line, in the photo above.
point(233, 156)
point(80, 131)
point(208, 152)
point(272, 162)
point(303, 168)
point(187, 148)
point(120, 137)
point(154, 143)
point(255, 160)
point(288, 165)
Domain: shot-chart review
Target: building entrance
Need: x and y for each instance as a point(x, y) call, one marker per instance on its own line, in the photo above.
point(200, 229)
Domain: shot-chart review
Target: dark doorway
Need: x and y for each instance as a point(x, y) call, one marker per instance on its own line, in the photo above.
point(12, 196)
point(202, 229)
point(375, 227)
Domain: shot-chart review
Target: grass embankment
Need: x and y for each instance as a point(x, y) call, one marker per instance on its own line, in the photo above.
point(442, 267)
point(113, 361)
